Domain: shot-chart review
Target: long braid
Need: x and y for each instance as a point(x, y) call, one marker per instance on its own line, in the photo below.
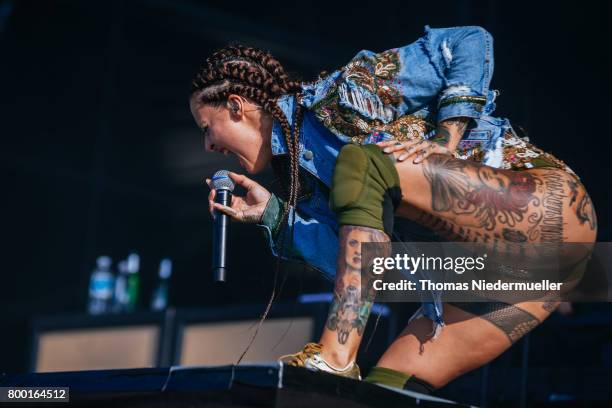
point(258, 76)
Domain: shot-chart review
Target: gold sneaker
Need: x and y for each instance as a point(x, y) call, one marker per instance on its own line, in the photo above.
point(310, 358)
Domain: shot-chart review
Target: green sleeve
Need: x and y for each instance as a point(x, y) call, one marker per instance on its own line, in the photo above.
point(273, 215)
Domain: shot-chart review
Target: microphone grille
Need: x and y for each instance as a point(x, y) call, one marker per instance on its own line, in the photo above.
point(222, 181)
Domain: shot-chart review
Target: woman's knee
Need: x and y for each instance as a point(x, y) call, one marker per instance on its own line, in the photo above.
point(365, 188)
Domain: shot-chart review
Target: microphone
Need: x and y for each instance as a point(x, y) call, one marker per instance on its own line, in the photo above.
point(223, 186)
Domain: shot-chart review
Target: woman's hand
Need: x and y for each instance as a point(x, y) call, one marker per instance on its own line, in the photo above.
point(421, 147)
point(448, 134)
point(249, 208)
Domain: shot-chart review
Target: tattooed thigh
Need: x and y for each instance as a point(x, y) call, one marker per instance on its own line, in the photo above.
point(565, 213)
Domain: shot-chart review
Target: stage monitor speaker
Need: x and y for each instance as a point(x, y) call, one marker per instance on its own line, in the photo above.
point(96, 348)
point(218, 343)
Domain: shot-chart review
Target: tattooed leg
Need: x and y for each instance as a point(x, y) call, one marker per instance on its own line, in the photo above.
point(474, 334)
point(365, 191)
point(349, 312)
point(474, 202)
point(468, 201)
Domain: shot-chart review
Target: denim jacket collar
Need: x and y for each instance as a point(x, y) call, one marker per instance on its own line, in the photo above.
point(279, 146)
point(318, 147)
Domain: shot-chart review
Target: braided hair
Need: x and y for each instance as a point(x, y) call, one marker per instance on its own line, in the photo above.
point(258, 76)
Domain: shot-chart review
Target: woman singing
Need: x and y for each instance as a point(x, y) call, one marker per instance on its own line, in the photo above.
point(403, 133)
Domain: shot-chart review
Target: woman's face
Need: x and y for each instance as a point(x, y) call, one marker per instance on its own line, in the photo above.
point(353, 249)
point(239, 128)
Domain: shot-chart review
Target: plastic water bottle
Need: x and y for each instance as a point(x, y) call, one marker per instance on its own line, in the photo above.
point(121, 296)
point(160, 297)
point(133, 281)
point(101, 286)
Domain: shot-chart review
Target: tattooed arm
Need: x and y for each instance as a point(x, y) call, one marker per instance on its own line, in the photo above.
point(448, 134)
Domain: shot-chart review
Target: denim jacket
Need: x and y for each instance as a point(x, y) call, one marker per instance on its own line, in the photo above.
point(396, 94)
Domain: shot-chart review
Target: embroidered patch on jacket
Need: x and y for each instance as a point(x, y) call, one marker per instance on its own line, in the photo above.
point(470, 150)
point(516, 154)
point(408, 127)
point(361, 103)
point(519, 154)
point(377, 75)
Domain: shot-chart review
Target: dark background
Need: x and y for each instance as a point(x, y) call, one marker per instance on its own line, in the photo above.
point(101, 156)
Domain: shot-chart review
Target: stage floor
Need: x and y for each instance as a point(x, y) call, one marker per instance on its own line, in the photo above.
point(261, 385)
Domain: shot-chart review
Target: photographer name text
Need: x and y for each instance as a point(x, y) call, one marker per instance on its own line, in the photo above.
point(474, 285)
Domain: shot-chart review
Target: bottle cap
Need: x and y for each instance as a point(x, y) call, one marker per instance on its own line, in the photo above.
point(165, 268)
point(104, 262)
point(133, 263)
point(122, 266)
